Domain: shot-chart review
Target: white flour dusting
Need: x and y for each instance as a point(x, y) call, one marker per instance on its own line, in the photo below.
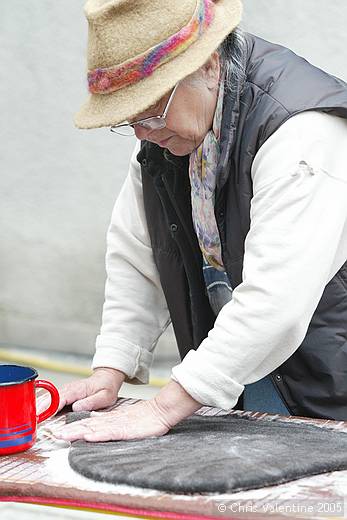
point(57, 464)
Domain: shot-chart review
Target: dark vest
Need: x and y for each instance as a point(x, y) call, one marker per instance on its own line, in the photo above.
point(278, 85)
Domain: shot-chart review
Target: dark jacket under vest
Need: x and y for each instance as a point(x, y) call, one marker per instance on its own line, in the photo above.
point(278, 85)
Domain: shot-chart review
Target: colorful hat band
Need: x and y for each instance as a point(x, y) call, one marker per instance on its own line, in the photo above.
point(106, 80)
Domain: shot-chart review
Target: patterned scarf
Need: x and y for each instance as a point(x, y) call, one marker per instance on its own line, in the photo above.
point(202, 173)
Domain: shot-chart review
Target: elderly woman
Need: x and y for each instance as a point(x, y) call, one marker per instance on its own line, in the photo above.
point(231, 223)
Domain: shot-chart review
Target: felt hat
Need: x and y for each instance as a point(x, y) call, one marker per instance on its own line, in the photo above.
point(139, 49)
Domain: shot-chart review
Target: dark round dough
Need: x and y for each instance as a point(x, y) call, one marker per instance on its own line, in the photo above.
point(220, 454)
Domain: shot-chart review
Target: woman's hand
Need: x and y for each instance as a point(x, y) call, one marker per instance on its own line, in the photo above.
point(152, 418)
point(100, 390)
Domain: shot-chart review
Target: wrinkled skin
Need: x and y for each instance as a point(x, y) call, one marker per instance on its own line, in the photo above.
point(190, 114)
point(100, 390)
point(135, 421)
point(152, 418)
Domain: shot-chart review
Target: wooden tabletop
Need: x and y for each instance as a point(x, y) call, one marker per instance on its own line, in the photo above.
point(43, 475)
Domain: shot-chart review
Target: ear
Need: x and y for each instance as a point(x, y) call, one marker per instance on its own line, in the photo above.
point(211, 71)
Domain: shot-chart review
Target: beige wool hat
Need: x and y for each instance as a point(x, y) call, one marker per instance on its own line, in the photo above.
point(139, 49)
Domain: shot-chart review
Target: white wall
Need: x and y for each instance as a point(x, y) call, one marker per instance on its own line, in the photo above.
point(58, 184)
point(315, 29)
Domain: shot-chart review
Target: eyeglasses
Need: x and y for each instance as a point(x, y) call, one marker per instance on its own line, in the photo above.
point(149, 123)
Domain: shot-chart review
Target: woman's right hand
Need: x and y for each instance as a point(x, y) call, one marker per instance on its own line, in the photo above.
point(99, 390)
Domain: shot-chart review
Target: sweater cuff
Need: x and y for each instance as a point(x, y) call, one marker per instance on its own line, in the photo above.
point(133, 360)
point(205, 383)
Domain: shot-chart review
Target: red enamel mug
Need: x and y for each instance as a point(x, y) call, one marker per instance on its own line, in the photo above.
point(18, 419)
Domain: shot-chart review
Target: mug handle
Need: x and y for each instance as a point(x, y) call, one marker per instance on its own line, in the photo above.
point(41, 383)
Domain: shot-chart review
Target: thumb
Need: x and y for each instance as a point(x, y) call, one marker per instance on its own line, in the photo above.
point(101, 399)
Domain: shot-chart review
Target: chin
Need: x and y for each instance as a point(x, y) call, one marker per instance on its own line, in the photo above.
point(180, 150)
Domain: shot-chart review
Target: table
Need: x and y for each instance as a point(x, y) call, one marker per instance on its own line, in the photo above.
point(42, 475)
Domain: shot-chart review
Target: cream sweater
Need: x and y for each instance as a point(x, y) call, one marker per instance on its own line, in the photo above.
point(296, 243)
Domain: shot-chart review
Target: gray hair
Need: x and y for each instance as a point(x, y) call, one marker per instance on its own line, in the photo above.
point(232, 54)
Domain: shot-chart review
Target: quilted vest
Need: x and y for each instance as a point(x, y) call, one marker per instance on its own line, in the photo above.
point(278, 84)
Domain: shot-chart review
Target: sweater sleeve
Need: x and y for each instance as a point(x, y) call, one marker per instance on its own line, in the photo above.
point(135, 313)
point(296, 243)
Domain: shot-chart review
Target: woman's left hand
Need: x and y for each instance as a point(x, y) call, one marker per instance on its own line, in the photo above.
point(152, 418)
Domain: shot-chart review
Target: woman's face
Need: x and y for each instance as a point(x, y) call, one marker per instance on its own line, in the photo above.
point(190, 114)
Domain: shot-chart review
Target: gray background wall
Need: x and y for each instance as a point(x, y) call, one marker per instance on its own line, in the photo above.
point(58, 184)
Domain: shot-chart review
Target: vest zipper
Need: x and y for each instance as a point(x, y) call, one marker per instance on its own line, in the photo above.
point(179, 215)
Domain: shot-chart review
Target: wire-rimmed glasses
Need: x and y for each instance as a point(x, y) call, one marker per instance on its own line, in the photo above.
point(149, 123)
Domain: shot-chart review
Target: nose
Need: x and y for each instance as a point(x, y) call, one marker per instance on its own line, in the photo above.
point(141, 132)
